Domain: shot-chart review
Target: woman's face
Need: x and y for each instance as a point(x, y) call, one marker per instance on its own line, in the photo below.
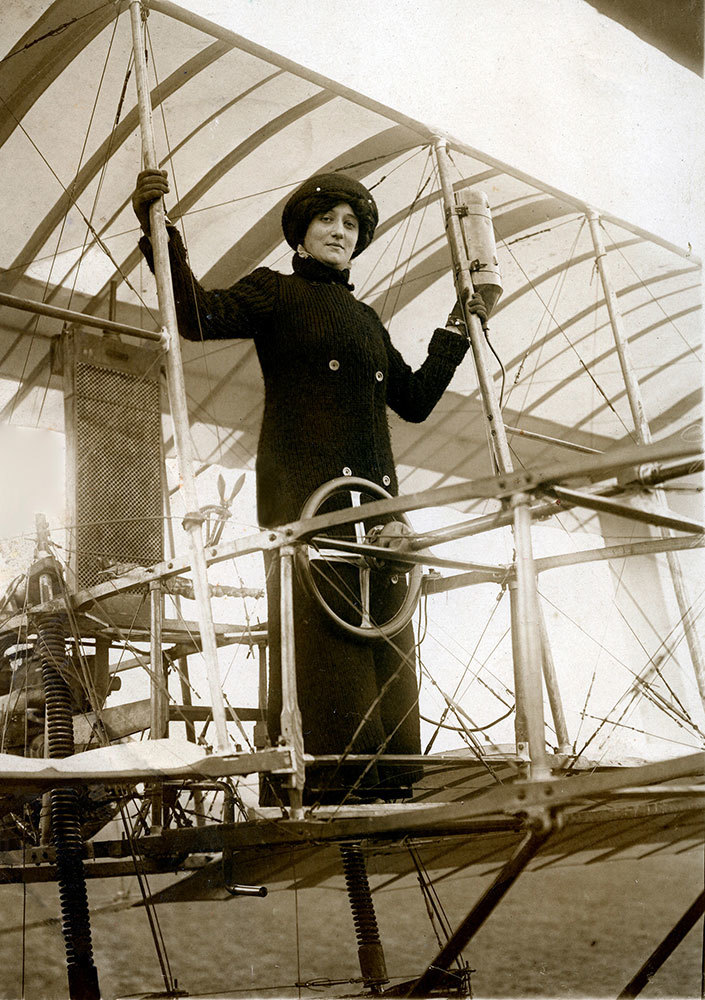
point(331, 236)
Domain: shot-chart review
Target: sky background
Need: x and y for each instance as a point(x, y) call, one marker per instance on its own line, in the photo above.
point(551, 87)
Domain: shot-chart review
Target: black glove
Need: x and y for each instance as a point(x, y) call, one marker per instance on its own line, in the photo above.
point(151, 184)
point(474, 304)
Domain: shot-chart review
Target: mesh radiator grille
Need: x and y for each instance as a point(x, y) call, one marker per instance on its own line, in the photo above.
point(117, 461)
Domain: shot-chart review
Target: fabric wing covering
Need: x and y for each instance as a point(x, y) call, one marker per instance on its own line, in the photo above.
point(238, 128)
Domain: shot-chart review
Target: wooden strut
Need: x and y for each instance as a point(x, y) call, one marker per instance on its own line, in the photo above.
point(539, 831)
point(177, 389)
point(666, 948)
point(527, 639)
point(643, 436)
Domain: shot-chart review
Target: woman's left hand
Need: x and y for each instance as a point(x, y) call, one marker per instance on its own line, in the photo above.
point(475, 304)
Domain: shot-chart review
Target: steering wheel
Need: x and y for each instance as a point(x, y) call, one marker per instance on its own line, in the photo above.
point(329, 550)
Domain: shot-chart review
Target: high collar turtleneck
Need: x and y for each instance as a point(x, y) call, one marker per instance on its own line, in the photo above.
point(315, 270)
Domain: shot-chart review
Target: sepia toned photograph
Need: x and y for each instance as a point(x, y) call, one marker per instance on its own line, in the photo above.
point(352, 619)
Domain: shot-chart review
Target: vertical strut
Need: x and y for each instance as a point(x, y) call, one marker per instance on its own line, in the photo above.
point(526, 635)
point(528, 641)
point(291, 726)
point(494, 423)
point(177, 390)
point(643, 436)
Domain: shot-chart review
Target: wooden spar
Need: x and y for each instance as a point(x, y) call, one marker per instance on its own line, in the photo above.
point(73, 316)
point(526, 634)
point(159, 694)
point(177, 390)
point(494, 424)
point(527, 645)
point(559, 442)
point(291, 725)
point(643, 436)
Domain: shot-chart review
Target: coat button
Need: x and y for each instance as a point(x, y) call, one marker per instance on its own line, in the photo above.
point(347, 471)
point(334, 365)
point(379, 376)
point(386, 480)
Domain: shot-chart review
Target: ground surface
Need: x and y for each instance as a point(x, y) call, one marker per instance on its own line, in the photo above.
point(569, 932)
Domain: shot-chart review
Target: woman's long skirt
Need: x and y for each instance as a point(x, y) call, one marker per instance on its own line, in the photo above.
point(356, 696)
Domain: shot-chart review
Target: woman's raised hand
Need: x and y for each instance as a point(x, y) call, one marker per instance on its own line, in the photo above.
point(151, 184)
point(475, 304)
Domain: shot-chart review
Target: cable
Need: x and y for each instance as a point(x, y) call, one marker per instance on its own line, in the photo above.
point(645, 286)
point(473, 729)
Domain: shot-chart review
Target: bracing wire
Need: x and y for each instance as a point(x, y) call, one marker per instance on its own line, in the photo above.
point(96, 235)
point(344, 591)
point(368, 283)
point(105, 161)
point(204, 356)
point(637, 677)
point(644, 284)
point(66, 214)
point(560, 327)
point(404, 230)
point(459, 684)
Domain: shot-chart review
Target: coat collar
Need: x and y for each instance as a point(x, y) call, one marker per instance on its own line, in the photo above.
point(314, 270)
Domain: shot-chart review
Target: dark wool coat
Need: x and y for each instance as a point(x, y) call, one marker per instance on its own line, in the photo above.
point(330, 371)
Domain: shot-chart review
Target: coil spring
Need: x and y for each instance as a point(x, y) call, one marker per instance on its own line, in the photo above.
point(65, 822)
point(359, 894)
point(51, 648)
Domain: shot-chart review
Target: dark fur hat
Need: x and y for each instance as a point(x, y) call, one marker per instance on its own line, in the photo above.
point(318, 194)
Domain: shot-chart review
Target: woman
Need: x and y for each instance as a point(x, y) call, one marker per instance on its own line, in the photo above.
point(330, 370)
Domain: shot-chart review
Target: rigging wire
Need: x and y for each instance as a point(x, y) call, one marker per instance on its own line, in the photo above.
point(65, 220)
point(432, 739)
point(345, 592)
point(550, 307)
point(204, 355)
point(149, 906)
point(634, 689)
point(605, 625)
point(96, 236)
point(403, 230)
point(646, 288)
point(105, 161)
point(435, 913)
point(398, 231)
point(642, 731)
point(561, 329)
point(657, 664)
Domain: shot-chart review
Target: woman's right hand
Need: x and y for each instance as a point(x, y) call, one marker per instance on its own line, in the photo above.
point(151, 184)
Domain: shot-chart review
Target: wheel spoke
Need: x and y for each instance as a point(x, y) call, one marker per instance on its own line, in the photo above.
point(366, 621)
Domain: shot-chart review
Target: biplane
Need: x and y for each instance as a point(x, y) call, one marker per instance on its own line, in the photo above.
point(549, 507)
